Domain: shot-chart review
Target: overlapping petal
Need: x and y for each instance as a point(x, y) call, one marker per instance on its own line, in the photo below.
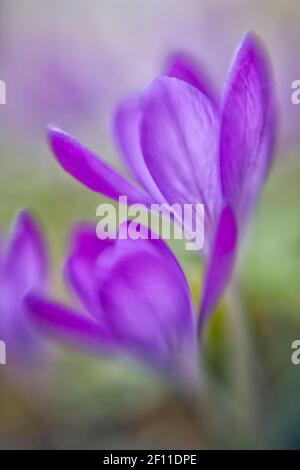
point(179, 139)
point(248, 123)
point(66, 324)
point(180, 65)
point(94, 173)
point(220, 263)
point(127, 136)
point(79, 268)
point(247, 127)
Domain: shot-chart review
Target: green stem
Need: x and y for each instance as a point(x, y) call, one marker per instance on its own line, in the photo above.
point(244, 365)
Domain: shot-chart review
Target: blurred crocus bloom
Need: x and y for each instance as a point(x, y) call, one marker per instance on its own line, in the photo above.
point(23, 266)
point(184, 147)
point(56, 83)
point(136, 300)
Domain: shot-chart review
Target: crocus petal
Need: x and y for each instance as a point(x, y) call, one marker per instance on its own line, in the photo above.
point(181, 65)
point(126, 132)
point(25, 259)
point(66, 324)
point(248, 127)
point(94, 173)
point(145, 301)
point(220, 263)
point(179, 138)
point(85, 248)
point(24, 266)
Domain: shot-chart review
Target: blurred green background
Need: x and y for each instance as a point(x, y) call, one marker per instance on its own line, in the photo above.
point(77, 401)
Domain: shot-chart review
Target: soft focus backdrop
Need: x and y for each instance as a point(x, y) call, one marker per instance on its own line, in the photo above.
point(68, 63)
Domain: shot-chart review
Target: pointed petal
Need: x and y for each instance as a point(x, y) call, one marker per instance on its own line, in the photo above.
point(219, 264)
point(66, 324)
point(94, 173)
point(26, 259)
point(146, 302)
point(248, 127)
point(85, 248)
point(179, 138)
point(24, 265)
point(182, 66)
point(127, 136)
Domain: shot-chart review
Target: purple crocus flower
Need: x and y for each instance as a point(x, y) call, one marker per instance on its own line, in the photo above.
point(136, 302)
point(23, 266)
point(183, 146)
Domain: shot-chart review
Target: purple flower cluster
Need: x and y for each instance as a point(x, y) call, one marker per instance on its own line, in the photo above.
point(136, 298)
point(182, 145)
